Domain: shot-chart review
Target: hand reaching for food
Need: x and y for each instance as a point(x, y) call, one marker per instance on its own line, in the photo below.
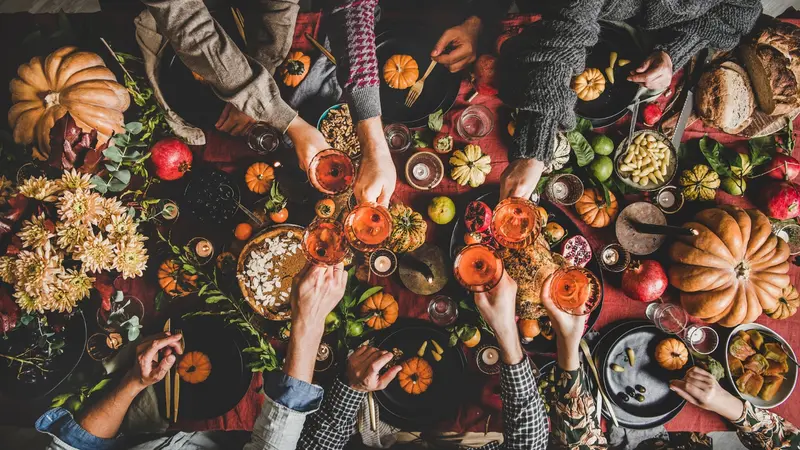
point(233, 121)
point(148, 369)
point(364, 369)
point(700, 388)
point(520, 178)
point(463, 39)
point(655, 73)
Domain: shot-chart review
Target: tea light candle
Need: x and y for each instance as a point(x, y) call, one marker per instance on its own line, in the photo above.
point(610, 256)
point(666, 199)
point(421, 171)
point(323, 352)
point(170, 211)
point(490, 356)
point(382, 263)
point(203, 248)
point(560, 190)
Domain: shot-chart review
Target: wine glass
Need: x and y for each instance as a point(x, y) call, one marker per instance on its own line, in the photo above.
point(478, 268)
point(515, 223)
point(324, 242)
point(575, 290)
point(367, 226)
point(668, 317)
point(331, 171)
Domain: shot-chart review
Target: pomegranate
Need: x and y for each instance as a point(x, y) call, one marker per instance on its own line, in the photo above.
point(783, 167)
point(478, 217)
point(644, 280)
point(652, 114)
point(171, 159)
point(780, 200)
point(577, 251)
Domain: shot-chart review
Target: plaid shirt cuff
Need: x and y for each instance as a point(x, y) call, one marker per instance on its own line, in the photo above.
point(346, 399)
point(517, 381)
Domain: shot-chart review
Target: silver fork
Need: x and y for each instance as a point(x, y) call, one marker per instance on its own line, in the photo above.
point(416, 89)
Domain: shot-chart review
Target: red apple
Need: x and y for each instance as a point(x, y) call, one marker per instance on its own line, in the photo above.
point(780, 200)
point(783, 167)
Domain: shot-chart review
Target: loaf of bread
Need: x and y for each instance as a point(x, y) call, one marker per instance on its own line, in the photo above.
point(772, 59)
point(724, 97)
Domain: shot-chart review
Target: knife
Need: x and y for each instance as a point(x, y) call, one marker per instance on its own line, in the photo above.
point(688, 102)
point(167, 380)
point(588, 354)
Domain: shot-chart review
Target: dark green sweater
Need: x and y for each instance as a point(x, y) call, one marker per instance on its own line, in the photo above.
point(537, 67)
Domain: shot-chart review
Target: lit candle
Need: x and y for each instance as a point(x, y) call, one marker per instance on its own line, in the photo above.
point(203, 248)
point(382, 263)
point(490, 356)
point(666, 199)
point(560, 190)
point(323, 352)
point(421, 171)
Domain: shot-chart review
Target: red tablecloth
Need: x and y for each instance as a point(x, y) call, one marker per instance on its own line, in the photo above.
point(226, 151)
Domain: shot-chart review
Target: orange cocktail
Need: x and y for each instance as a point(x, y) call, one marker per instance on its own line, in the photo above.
point(331, 171)
point(324, 242)
point(575, 290)
point(368, 226)
point(478, 268)
point(515, 223)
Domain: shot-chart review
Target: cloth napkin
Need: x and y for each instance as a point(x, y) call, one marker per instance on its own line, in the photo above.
point(383, 437)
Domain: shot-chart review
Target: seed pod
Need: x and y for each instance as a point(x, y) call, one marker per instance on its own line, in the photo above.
point(631, 356)
point(617, 368)
point(623, 396)
point(641, 388)
point(639, 398)
point(629, 390)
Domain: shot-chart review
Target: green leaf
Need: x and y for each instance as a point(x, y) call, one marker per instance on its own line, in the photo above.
point(583, 125)
point(190, 269)
point(159, 300)
point(122, 140)
point(422, 138)
point(123, 175)
point(113, 154)
point(368, 293)
point(59, 400)
point(100, 184)
point(541, 184)
point(134, 127)
point(761, 150)
point(99, 386)
point(453, 340)
point(606, 195)
point(116, 185)
point(436, 120)
point(215, 299)
point(580, 146)
point(713, 151)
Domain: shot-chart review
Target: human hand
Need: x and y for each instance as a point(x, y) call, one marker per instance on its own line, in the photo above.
point(499, 306)
point(700, 388)
point(377, 176)
point(655, 73)
point(148, 370)
point(307, 140)
point(364, 367)
point(316, 290)
point(233, 121)
point(520, 178)
point(568, 328)
point(464, 42)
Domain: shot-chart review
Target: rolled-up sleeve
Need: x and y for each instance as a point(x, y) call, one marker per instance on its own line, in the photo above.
point(68, 434)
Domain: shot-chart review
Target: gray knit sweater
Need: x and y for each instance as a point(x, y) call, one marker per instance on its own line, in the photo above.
point(538, 66)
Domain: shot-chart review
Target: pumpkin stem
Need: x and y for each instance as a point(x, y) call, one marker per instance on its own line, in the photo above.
point(295, 67)
point(51, 99)
point(742, 270)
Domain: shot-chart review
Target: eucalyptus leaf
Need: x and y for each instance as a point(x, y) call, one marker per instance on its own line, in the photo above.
point(113, 154)
point(123, 175)
point(122, 140)
point(110, 167)
point(116, 185)
point(134, 127)
point(580, 147)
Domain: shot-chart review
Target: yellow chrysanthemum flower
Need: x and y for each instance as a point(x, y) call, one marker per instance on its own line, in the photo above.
point(34, 232)
point(28, 303)
point(130, 257)
point(7, 269)
point(119, 226)
point(36, 271)
point(61, 299)
point(70, 236)
point(40, 188)
point(6, 190)
point(80, 206)
point(78, 283)
point(96, 253)
point(74, 180)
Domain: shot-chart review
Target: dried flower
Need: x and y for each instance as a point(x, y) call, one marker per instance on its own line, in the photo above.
point(77, 283)
point(37, 271)
point(80, 206)
point(96, 253)
point(114, 341)
point(28, 303)
point(6, 190)
point(119, 226)
point(40, 189)
point(74, 180)
point(7, 269)
point(130, 257)
point(70, 236)
point(34, 232)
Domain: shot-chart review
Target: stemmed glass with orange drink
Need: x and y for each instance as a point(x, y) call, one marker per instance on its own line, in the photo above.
point(575, 290)
point(515, 223)
point(324, 242)
point(331, 171)
point(478, 268)
point(367, 226)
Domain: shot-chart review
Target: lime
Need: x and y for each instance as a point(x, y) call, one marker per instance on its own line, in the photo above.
point(602, 145)
point(355, 329)
point(602, 167)
point(331, 321)
point(733, 185)
point(442, 210)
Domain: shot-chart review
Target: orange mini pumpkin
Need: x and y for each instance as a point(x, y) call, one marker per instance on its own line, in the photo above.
point(381, 310)
point(415, 376)
point(295, 68)
point(258, 177)
point(195, 367)
point(400, 71)
point(593, 208)
point(174, 280)
point(788, 303)
point(672, 354)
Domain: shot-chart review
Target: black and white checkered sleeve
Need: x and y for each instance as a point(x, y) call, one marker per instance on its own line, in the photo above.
point(335, 422)
point(524, 417)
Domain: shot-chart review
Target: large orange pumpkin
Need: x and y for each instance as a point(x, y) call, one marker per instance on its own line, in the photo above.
point(258, 177)
point(295, 68)
point(734, 269)
point(67, 80)
point(381, 310)
point(788, 303)
point(672, 354)
point(593, 208)
point(195, 367)
point(415, 376)
point(400, 71)
point(169, 274)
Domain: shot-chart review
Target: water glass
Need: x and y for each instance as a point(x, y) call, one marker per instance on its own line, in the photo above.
point(442, 310)
point(398, 137)
point(668, 317)
point(791, 234)
point(701, 339)
point(475, 122)
point(262, 138)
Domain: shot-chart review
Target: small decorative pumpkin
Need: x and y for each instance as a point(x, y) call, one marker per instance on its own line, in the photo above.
point(174, 280)
point(415, 376)
point(325, 208)
point(67, 80)
point(381, 310)
point(408, 229)
point(561, 152)
point(593, 209)
point(589, 84)
point(295, 68)
point(734, 268)
point(672, 354)
point(700, 183)
point(470, 166)
point(400, 71)
point(258, 177)
point(788, 303)
point(195, 367)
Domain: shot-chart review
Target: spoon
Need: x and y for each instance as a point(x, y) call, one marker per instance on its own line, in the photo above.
point(788, 353)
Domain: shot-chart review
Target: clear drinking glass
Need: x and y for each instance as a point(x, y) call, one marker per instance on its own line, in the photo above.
point(564, 189)
point(701, 339)
point(262, 138)
point(668, 317)
point(475, 122)
point(398, 137)
point(442, 310)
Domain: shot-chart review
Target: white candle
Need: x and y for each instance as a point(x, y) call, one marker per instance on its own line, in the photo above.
point(203, 248)
point(610, 256)
point(421, 171)
point(489, 356)
point(666, 199)
point(383, 263)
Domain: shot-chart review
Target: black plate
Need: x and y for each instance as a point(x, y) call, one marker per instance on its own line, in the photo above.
point(229, 379)
point(75, 337)
point(615, 99)
point(538, 344)
point(444, 395)
point(441, 86)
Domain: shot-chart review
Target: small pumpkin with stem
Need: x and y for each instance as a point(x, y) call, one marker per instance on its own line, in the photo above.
point(416, 376)
point(174, 280)
point(195, 367)
point(672, 354)
point(400, 71)
point(258, 177)
point(594, 210)
point(408, 229)
point(589, 85)
point(295, 68)
point(381, 310)
point(788, 303)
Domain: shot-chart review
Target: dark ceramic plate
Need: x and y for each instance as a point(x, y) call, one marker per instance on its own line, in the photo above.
point(442, 397)
point(441, 86)
point(229, 378)
point(539, 344)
